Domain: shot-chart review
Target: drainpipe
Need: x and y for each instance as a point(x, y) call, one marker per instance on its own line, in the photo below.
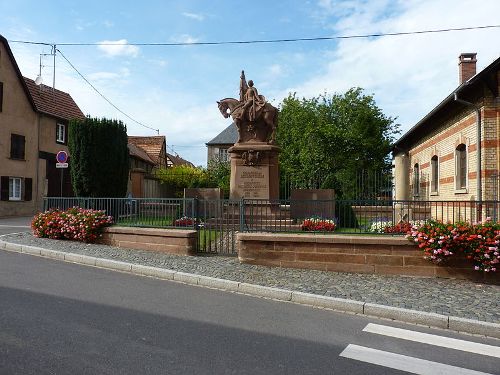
point(478, 165)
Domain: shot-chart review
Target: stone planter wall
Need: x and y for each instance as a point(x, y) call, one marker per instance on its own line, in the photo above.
point(172, 241)
point(367, 254)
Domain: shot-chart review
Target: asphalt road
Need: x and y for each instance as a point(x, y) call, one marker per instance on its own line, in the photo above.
point(14, 225)
point(63, 318)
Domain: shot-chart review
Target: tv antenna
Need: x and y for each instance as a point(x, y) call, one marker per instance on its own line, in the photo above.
point(39, 79)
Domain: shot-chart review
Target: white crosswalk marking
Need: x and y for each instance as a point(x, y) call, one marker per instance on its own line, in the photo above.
point(446, 342)
point(403, 362)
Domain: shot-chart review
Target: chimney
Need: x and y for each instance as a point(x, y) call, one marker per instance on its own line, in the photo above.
point(466, 66)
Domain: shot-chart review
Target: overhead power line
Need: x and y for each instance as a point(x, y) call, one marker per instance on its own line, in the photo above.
point(256, 41)
point(104, 97)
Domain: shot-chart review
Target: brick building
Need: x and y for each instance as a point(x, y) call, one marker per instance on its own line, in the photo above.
point(453, 153)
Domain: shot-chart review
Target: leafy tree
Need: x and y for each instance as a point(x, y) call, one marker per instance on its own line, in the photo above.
point(182, 176)
point(332, 138)
point(99, 157)
point(219, 173)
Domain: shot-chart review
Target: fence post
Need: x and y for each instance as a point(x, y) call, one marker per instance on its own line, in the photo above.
point(196, 212)
point(242, 214)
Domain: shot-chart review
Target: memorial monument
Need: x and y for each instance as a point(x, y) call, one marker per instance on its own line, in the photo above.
point(254, 157)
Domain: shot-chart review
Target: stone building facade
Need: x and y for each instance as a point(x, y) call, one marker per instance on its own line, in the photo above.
point(33, 128)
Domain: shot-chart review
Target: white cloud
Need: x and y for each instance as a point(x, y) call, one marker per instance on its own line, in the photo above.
point(113, 48)
point(108, 24)
point(194, 16)
point(409, 75)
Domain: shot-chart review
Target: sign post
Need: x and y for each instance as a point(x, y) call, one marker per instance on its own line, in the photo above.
point(62, 163)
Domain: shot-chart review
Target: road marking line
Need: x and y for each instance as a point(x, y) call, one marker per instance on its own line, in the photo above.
point(446, 342)
point(14, 226)
point(403, 362)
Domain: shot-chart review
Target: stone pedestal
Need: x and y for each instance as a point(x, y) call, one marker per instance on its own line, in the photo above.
point(254, 171)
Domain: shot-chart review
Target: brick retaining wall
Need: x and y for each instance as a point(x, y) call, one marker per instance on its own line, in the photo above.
point(366, 254)
point(172, 241)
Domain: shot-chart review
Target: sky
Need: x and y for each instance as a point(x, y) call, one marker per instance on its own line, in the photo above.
point(175, 88)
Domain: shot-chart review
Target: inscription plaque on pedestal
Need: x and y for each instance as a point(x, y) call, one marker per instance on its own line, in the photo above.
point(253, 182)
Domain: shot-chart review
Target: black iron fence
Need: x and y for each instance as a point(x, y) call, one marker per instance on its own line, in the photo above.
point(217, 221)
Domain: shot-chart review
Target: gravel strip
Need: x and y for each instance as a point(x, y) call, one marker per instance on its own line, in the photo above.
point(459, 298)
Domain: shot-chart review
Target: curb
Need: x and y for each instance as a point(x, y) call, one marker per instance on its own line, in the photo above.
point(337, 304)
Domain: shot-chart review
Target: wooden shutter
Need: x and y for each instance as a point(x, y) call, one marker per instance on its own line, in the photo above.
point(28, 189)
point(4, 188)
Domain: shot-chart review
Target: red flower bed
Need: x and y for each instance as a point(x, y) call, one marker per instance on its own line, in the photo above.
point(478, 243)
point(73, 224)
point(316, 224)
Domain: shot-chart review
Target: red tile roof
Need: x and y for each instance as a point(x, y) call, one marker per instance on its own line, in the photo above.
point(139, 153)
point(152, 145)
point(177, 160)
point(54, 103)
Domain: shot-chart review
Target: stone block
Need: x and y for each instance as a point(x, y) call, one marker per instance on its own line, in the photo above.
point(160, 273)
point(333, 303)
point(32, 250)
point(388, 260)
point(80, 259)
point(350, 267)
point(264, 291)
point(52, 254)
point(406, 315)
point(216, 283)
point(113, 264)
point(330, 258)
point(475, 327)
point(408, 271)
point(187, 278)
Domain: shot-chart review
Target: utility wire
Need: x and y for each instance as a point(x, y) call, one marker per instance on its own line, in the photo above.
point(97, 91)
point(376, 35)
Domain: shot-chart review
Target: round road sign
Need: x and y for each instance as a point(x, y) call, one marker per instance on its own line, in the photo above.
point(62, 157)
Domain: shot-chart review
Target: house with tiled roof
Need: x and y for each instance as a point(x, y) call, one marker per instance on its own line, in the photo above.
point(33, 128)
point(453, 152)
point(146, 155)
point(218, 146)
point(176, 160)
point(154, 146)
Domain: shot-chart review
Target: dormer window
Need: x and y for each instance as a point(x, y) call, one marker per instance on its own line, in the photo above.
point(61, 133)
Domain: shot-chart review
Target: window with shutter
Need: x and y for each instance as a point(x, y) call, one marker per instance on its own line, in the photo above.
point(17, 146)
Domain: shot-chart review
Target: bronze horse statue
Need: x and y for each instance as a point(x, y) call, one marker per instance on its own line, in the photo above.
point(234, 108)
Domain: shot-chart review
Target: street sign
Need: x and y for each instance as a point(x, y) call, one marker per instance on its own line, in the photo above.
point(61, 165)
point(62, 158)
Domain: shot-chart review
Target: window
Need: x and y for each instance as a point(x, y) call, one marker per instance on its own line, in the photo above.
point(17, 143)
point(1, 96)
point(223, 154)
point(61, 133)
point(416, 180)
point(461, 166)
point(14, 189)
point(434, 174)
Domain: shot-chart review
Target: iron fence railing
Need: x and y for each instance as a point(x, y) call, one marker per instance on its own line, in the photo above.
point(217, 221)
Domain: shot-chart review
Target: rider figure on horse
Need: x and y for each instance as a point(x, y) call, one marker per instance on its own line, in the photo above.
point(252, 102)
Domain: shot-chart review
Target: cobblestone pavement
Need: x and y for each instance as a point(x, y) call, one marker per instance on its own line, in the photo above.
point(458, 298)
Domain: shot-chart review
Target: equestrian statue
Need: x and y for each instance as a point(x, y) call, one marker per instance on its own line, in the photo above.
point(254, 117)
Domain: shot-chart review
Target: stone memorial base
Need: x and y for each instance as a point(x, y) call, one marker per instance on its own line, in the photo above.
point(254, 171)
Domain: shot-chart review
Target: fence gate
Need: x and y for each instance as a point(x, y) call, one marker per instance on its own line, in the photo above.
point(217, 224)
